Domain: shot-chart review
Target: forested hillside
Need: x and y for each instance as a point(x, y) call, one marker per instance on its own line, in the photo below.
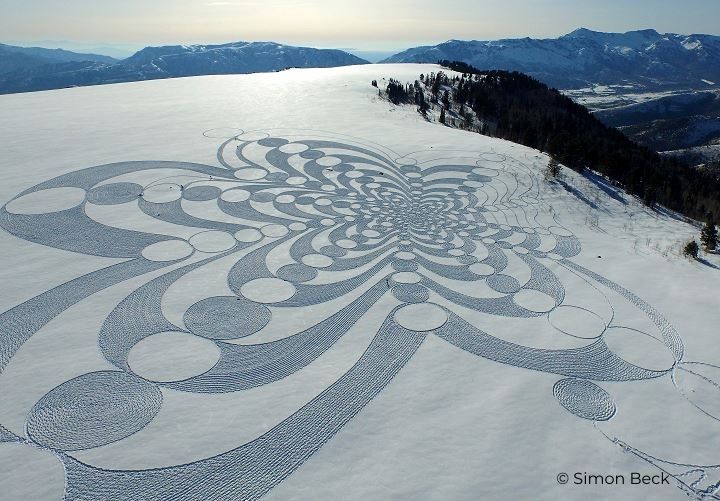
point(516, 107)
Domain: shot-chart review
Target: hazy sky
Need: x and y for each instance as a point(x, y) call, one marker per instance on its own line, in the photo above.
point(360, 24)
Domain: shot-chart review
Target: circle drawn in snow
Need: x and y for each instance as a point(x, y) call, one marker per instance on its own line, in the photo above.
point(250, 173)
point(46, 201)
point(114, 193)
point(169, 250)
point(296, 180)
point(503, 283)
point(406, 161)
point(297, 273)
point(405, 256)
point(213, 241)
point(577, 322)
point(92, 410)
point(248, 235)
point(421, 317)
point(533, 300)
point(407, 278)
point(28, 472)
point(268, 290)
point(346, 244)
point(584, 399)
point(285, 199)
point(482, 269)
point(201, 193)
point(317, 260)
point(272, 142)
point(172, 356)
point(226, 318)
point(274, 230)
point(493, 157)
point(699, 383)
point(223, 133)
point(162, 193)
point(293, 148)
point(370, 233)
point(328, 161)
point(485, 171)
point(234, 196)
point(252, 136)
point(639, 348)
point(297, 226)
point(312, 154)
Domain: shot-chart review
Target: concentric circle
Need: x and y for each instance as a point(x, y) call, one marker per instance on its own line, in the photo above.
point(92, 410)
point(584, 399)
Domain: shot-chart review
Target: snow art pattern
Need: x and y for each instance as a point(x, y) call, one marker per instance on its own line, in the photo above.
point(292, 221)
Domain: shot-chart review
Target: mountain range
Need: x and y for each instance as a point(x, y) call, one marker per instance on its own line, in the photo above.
point(14, 58)
point(31, 69)
point(577, 60)
point(603, 71)
point(585, 57)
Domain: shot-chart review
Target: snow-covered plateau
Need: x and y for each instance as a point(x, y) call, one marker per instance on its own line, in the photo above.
point(281, 285)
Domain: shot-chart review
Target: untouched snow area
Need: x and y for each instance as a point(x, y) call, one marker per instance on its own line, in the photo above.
point(279, 284)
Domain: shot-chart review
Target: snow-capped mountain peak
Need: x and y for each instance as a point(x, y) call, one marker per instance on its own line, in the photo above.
point(585, 57)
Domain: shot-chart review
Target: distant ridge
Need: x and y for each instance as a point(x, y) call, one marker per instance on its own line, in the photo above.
point(14, 58)
point(169, 62)
point(585, 57)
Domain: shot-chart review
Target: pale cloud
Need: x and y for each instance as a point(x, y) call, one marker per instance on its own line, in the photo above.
point(358, 23)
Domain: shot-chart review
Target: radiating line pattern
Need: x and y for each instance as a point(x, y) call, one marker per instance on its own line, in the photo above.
point(301, 221)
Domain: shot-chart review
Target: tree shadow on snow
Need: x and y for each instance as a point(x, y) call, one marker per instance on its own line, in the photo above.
point(704, 261)
point(606, 187)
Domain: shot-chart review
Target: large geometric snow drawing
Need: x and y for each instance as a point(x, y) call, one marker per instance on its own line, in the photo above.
point(327, 225)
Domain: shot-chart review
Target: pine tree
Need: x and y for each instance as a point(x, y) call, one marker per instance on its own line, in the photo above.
point(552, 171)
point(420, 101)
point(446, 100)
point(709, 236)
point(691, 249)
point(442, 115)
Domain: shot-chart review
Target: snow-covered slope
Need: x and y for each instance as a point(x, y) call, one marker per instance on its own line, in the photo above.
point(588, 57)
point(228, 286)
